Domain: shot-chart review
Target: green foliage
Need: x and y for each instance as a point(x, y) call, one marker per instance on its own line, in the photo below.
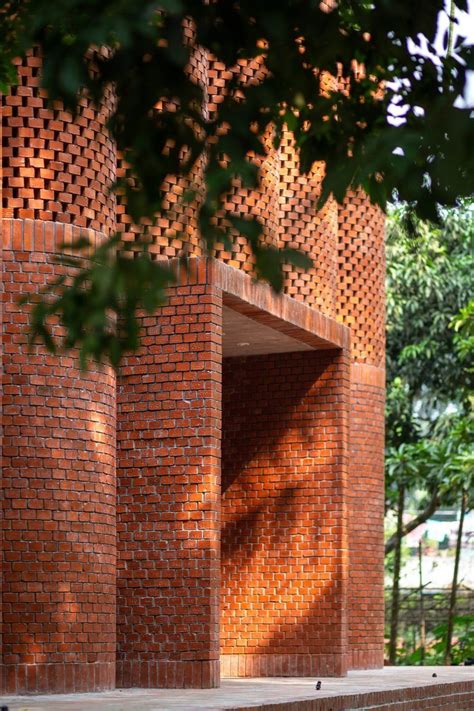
point(463, 647)
point(424, 158)
point(430, 425)
point(100, 301)
point(463, 325)
point(442, 463)
point(430, 278)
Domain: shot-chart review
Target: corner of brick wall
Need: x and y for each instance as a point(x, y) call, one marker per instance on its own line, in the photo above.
point(169, 432)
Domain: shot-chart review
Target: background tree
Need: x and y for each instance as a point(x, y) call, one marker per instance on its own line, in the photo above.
point(392, 123)
point(463, 461)
point(430, 426)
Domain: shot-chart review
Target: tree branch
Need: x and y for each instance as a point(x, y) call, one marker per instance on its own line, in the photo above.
point(423, 516)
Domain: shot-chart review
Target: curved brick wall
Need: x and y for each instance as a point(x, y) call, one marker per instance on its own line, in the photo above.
point(55, 168)
point(58, 473)
point(58, 476)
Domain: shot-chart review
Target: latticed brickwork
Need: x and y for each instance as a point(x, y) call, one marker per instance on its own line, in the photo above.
point(361, 277)
point(284, 538)
point(306, 228)
point(285, 204)
point(55, 168)
point(169, 495)
point(58, 502)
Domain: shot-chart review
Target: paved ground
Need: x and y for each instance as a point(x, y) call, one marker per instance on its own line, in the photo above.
point(238, 693)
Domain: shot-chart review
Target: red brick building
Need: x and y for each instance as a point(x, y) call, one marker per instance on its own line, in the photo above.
point(214, 507)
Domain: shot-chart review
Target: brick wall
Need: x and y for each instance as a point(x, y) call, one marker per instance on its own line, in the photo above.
point(285, 203)
point(58, 478)
point(284, 519)
point(361, 277)
point(169, 418)
point(58, 481)
point(57, 173)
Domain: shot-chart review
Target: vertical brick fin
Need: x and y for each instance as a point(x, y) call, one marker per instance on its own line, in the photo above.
point(169, 420)
point(361, 307)
point(284, 518)
point(5, 227)
point(58, 477)
point(366, 503)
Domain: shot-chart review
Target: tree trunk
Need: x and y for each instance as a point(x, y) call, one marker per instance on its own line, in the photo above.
point(392, 649)
point(422, 605)
point(454, 585)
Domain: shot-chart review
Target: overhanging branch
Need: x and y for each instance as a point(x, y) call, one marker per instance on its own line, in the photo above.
point(423, 516)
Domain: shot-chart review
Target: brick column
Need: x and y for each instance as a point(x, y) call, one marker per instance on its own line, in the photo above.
point(169, 420)
point(59, 424)
point(284, 535)
point(366, 505)
point(58, 480)
point(361, 307)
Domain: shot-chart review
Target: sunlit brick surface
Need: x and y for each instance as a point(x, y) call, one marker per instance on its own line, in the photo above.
point(55, 168)
point(284, 519)
point(366, 512)
point(288, 581)
point(58, 482)
point(169, 397)
point(362, 277)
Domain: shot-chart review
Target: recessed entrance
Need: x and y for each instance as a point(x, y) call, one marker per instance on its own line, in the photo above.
point(282, 551)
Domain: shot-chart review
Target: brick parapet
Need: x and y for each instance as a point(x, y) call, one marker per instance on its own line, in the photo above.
point(43, 237)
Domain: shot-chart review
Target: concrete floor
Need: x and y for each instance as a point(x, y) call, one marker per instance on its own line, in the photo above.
point(239, 693)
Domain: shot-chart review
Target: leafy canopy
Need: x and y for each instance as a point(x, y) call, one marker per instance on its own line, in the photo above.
point(430, 357)
point(430, 278)
point(161, 129)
